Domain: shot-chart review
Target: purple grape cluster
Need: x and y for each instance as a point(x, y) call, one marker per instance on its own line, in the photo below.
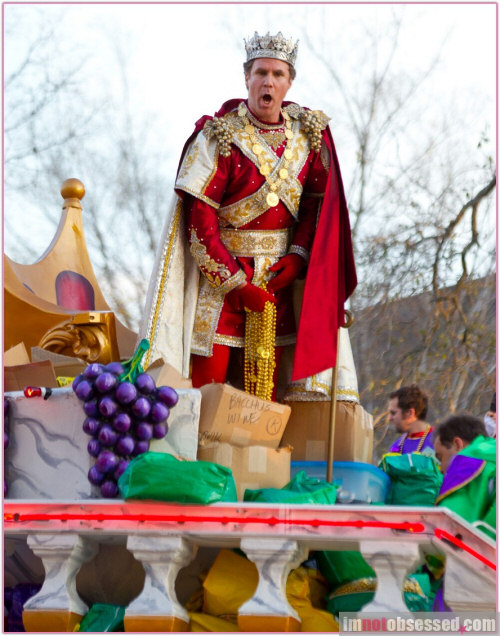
point(122, 418)
point(6, 405)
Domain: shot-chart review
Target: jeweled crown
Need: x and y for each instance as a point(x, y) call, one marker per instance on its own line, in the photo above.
point(275, 46)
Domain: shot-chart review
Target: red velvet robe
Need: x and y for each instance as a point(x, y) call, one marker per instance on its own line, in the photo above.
point(331, 275)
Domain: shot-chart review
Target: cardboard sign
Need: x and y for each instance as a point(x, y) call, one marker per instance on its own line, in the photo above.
point(307, 432)
point(18, 377)
point(165, 374)
point(46, 367)
point(235, 417)
point(253, 467)
point(16, 355)
point(64, 366)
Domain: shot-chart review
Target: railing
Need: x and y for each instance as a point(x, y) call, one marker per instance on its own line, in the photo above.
point(165, 538)
point(50, 514)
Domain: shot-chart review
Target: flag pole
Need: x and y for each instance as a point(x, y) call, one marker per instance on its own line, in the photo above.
point(333, 401)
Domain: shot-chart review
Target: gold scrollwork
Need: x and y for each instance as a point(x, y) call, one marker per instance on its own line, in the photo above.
point(215, 272)
point(88, 336)
point(192, 155)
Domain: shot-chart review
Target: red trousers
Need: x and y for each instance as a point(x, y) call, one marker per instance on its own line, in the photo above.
point(214, 368)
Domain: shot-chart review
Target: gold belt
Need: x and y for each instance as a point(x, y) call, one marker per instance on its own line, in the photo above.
point(256, 242)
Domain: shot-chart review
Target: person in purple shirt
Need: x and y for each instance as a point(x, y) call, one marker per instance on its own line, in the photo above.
point(407, 412)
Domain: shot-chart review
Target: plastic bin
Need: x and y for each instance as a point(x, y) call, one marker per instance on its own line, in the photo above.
point(358, 482)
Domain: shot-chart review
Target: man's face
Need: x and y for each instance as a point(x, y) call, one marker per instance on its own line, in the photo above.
point(444, 454)
point(267, 83)
point(400, 419)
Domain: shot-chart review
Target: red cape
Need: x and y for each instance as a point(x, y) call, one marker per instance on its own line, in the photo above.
point(331, 273)
point(330, 280)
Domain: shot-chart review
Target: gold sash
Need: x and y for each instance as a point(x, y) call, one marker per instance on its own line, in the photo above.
point(289, 191)
point(254, 243)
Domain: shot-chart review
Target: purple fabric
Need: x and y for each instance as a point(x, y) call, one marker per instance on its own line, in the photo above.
point(411, 445)
point(14, 599)
point(439, 605)
point(461, 470)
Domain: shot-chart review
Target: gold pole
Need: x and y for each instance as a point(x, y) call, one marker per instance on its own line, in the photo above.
point(333, 403)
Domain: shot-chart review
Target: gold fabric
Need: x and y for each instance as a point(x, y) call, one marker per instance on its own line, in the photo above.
point(289, 191)
point(256, 242)
point(266, 247)
point(200, 162)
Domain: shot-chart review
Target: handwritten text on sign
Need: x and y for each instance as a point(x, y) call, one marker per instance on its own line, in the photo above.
point(245, 411)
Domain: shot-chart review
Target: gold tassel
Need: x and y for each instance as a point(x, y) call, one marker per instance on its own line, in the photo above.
point(260, 360)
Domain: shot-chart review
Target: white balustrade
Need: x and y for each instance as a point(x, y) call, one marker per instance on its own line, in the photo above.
point(164, 538)
point(274, 558)
point(392, 562)
point(162, 557)
point(62, 556)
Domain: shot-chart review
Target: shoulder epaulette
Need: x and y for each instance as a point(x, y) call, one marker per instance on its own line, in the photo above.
point(294, 110)
point(313, 123)
point(222, 129)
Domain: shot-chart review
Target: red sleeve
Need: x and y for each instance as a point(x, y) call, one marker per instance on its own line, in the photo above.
point(203, 235)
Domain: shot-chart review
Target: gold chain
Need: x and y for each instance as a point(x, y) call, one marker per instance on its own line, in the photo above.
point(260, 361)
point(420, 444)
point(272, 198)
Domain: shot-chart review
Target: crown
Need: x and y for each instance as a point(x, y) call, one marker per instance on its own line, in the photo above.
point(275, 46)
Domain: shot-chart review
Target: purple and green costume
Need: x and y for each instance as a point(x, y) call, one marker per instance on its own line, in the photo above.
point(406, 444)
point(469, 485)
point(469, 489)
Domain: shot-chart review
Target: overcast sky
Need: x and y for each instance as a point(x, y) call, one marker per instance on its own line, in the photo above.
point(185, 60)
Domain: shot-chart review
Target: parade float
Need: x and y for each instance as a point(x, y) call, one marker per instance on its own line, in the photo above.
point(226, 553)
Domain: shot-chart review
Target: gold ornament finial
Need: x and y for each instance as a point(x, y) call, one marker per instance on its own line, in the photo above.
point(72, 189)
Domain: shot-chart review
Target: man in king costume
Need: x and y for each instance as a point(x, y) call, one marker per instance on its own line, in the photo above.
point(259, 203)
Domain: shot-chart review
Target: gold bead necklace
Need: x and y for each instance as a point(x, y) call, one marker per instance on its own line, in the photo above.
point(260, 360)
point(421, 442)
point(272, 198)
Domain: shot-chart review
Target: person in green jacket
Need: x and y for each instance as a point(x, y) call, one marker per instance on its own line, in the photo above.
point(468, 461)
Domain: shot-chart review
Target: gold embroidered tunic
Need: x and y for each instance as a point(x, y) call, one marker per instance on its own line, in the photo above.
point(235, 230)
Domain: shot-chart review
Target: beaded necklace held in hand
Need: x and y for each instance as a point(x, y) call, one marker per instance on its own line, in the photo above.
point(260, 360)
point(272, 198)
point(420, 444)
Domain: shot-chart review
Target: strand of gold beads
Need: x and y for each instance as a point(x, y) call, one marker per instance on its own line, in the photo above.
point(260, 359)
point(272, 198)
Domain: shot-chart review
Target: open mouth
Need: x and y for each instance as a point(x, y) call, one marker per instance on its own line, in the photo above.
point(267, 99)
